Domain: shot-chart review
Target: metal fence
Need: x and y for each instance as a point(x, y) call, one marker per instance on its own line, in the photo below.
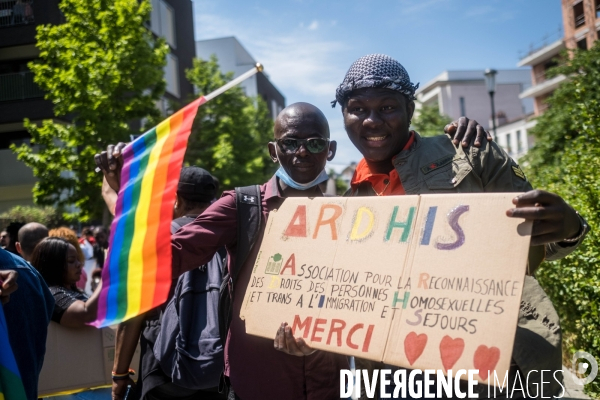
point(19, 86)
point(16, 12)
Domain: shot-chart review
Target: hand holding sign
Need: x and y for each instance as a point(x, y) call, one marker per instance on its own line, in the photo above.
point(553, 219)
point(285, 341)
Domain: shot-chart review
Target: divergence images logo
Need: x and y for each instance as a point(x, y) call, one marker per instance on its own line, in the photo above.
point(582, 368)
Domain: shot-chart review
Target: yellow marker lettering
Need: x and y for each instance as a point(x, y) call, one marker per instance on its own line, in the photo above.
point(355, 234)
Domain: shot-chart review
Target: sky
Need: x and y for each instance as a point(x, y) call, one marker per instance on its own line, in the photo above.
point(307, 46)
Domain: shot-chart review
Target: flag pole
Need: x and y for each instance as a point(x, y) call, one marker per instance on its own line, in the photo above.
point(257, 68)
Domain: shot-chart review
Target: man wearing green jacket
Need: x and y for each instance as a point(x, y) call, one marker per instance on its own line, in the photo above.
point(377, 100)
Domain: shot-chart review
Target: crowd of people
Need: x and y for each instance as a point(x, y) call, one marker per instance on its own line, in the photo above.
point(59, 270)
point(51, 287)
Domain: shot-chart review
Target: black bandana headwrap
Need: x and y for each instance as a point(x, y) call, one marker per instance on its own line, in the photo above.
point(375, 71)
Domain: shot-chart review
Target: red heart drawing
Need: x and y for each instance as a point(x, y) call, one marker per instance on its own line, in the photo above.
point(414, 345)
point(450, 351)
point(485, 360)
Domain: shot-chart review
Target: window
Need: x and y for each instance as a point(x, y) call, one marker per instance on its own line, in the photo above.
point(15, 12)
point(172, 75)
point(155, 17)
point(519, 144)
point(167, 23)
point(162, 21)
point(463, 110)
point(582, 44)
point(508, 147)
point(549, 64)
point(273, 109)
point(598, 11)
point(578, 14)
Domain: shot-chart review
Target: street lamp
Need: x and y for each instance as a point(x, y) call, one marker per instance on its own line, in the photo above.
point(490, 83)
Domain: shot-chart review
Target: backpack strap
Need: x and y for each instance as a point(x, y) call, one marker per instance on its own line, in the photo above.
point(176, 224)
point(249, 217)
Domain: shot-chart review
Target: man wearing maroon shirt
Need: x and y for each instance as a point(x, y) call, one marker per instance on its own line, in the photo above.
point(255, 369)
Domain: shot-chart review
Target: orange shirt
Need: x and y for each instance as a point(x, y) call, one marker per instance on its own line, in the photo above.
point(383, 184)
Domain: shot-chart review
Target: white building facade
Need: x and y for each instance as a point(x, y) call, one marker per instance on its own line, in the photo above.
point(514, 137)
point(233, 57)
point(459, 93)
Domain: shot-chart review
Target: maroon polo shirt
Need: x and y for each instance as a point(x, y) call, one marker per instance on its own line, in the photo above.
point(256, 370)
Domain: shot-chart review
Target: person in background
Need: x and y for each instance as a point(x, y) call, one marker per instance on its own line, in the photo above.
point(56, 260)
point(13, 232)
point(29, 236)
point(27, 335)
point(4, 239)
point(70, 236)
point(196, 190)
point(87, 235)
point(101, 245)
point(86, 242)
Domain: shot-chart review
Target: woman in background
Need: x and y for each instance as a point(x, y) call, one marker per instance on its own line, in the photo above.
point(58, 263)
point(70, 236)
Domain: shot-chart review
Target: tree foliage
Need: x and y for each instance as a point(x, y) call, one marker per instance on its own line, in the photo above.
point(430, 122)
point(102, 69)
point(230, 134)
point(566, 160)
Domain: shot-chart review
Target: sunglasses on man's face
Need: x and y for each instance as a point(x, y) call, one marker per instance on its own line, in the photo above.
point(313, 145)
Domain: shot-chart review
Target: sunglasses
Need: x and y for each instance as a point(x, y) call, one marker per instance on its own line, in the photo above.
point(313, 145)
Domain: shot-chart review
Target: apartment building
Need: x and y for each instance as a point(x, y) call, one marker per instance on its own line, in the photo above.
point(233, 57)
point(581, 27)
point(20, 98)
point(581, 21)
point(459, 93)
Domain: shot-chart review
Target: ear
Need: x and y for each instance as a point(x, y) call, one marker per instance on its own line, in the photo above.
point(332, 150)
point(410, 109)
point(273, 151)
point(18, 246)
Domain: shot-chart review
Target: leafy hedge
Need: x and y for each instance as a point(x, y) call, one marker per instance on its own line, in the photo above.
point(49, 216)
point(566, 160)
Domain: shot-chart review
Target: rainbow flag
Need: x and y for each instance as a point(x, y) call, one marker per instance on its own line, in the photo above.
point(11, 386)
point(137, 271)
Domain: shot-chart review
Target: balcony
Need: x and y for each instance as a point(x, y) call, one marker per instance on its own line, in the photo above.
point(543, 54)
point(543, 88)
point(16, 12)
point(578, 14)
point(19, 86)
point(542, 77)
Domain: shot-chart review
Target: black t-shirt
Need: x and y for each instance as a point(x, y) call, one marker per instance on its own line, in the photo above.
point(63, 299)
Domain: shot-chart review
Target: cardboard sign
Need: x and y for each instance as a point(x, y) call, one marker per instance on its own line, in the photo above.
point(79, 359)
point(428, 282)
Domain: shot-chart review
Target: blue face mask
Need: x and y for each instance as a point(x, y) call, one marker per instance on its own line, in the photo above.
point(285, 178)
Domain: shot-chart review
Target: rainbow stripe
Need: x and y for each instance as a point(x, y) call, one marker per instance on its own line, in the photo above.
point(137, 272)
point(11, 386)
